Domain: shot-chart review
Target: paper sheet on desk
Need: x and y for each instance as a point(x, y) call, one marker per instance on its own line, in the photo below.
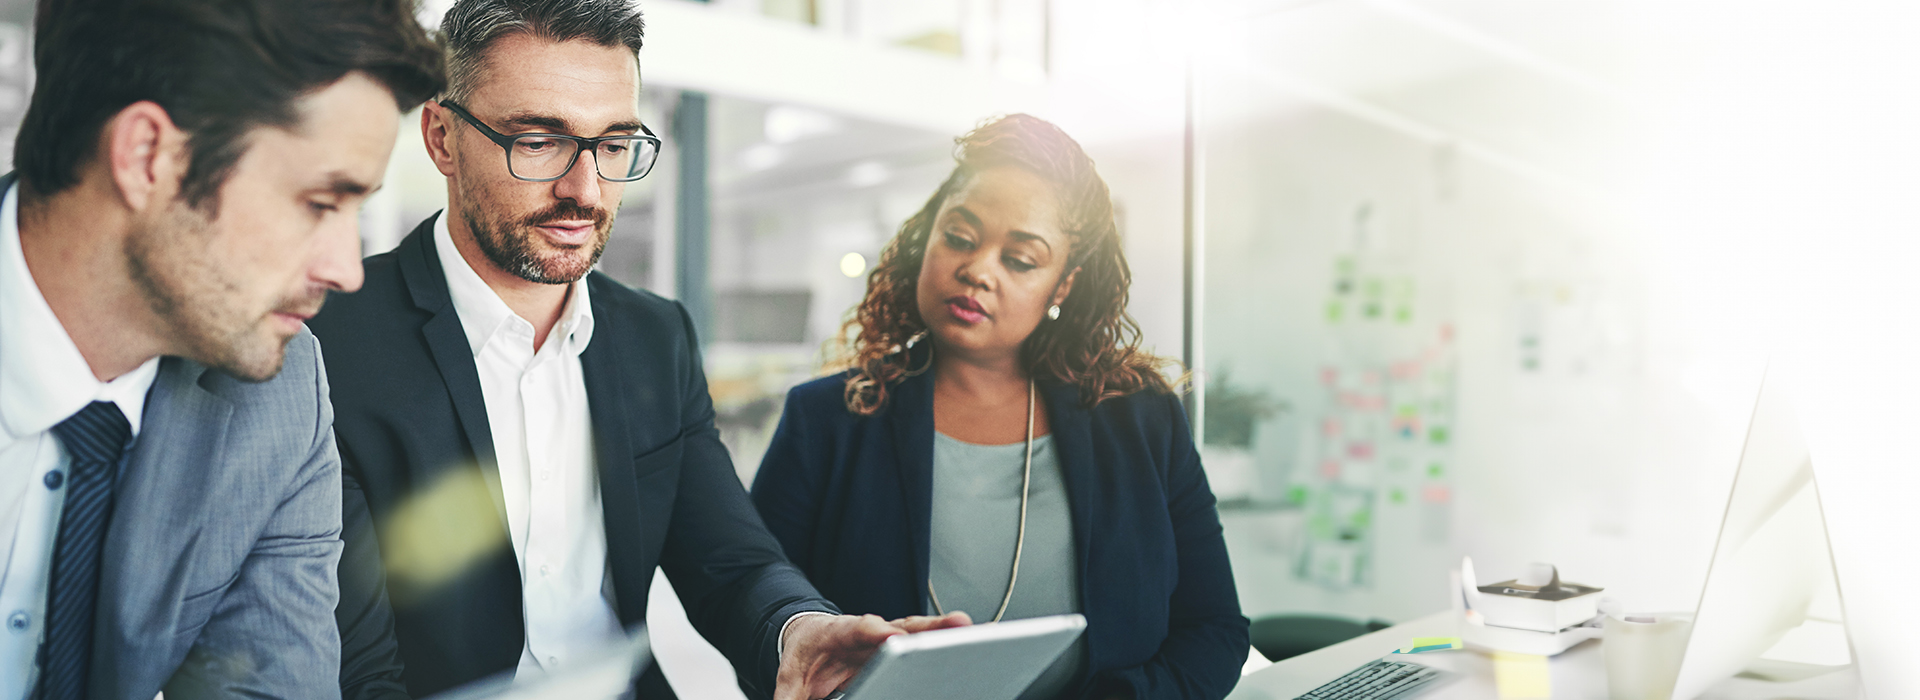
point(1522, 676)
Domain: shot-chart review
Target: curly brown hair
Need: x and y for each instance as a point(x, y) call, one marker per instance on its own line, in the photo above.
point(1094, 345)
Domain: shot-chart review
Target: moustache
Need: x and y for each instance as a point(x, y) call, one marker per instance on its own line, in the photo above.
point(303, 305)
point(565, 210)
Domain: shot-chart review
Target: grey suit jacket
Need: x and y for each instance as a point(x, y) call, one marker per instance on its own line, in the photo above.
point(218, 578)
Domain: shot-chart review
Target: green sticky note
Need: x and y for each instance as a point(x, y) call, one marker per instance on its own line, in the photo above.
point(1321, 526)
point(1437, 434)
point(1435, 470)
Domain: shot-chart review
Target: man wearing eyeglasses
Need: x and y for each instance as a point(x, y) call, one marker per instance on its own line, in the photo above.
point(524, 440)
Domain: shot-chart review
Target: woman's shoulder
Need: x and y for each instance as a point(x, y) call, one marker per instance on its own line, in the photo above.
point(828, 396)
point(820, 393)
point(1144, 404)
point(1155, 416)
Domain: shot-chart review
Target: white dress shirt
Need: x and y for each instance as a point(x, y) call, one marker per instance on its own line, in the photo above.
point(43, 380)
point(543, 443)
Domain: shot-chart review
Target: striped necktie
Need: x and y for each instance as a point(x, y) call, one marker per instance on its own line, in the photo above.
point(95, 438)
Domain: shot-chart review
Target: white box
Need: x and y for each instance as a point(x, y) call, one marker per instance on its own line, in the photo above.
point(1548, 608)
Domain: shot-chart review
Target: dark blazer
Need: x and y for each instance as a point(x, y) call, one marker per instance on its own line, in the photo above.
point(850, 498)
point(429, 578)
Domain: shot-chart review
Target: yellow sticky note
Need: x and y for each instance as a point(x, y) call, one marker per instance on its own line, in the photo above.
point(1422, 645)
point(1522, 676)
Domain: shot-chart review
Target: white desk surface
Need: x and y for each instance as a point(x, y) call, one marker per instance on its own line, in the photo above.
point(1578, 674)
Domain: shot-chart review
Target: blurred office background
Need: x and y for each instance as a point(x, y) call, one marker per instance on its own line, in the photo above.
point(1455, 277)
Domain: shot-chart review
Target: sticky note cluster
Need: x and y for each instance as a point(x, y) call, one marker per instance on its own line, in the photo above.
point(1522, 676)
point(1422, 645)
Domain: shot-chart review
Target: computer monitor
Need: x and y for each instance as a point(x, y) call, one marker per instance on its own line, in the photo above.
point(1771, 555)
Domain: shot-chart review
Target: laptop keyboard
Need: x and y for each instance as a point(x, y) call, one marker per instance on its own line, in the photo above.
point(1380, 680)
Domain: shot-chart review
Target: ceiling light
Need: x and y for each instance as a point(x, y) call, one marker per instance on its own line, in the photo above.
point(761, 157)
point(852, 264)
point(789, 124)
point(868, 174)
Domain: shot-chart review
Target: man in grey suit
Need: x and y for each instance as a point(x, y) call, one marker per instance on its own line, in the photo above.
point(189, 177)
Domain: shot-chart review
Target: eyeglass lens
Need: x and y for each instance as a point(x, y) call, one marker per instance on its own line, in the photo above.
point(544, 158)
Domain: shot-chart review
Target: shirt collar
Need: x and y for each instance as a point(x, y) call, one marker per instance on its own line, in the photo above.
point(43, 377)
point(483, 315)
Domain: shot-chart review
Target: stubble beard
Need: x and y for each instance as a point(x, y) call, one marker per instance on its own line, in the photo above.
point(199, 304)
point(510, 246)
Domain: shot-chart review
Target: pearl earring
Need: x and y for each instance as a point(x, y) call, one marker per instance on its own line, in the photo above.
point(1053, 312)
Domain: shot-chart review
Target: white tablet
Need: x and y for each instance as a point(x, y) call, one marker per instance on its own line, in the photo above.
point(995, 661)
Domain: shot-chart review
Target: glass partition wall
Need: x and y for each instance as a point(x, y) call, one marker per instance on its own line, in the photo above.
point(1428, 324)
point(803, 201)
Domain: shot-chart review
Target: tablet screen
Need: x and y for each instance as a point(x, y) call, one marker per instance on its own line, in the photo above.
point(994, 661)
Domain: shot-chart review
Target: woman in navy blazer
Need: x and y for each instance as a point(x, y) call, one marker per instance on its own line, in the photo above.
point(997, 315)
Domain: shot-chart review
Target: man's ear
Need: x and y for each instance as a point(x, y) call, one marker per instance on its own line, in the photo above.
point(1066, 287)
point(145, 153)
point(436, 126)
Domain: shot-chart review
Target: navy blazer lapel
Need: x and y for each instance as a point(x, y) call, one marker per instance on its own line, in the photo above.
point(452, 354)
point(608, 385)
point(910, 413)
point(1072, 427)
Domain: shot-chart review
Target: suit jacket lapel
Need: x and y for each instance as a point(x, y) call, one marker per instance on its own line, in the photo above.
point(160, 504)
point(452, 354)
point(608, 385)
point(1072, 428)
point(910, 412)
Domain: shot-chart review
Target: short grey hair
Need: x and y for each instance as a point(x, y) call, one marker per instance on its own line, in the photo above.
point(473, 25)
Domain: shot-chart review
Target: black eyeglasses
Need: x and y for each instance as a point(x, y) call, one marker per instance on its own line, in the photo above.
point(549, 157)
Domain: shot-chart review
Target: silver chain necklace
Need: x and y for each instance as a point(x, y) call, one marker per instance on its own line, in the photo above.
point(1020, 541)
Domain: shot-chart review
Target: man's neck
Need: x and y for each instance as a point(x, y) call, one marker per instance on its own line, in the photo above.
point(540, 304)
point(75, 247)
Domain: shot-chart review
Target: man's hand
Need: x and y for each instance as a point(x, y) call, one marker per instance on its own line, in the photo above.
point(823, 652)
point(924, 623)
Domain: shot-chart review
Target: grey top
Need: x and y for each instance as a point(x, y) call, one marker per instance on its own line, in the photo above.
point(976, 518)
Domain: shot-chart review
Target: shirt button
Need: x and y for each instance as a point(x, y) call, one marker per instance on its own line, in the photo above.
point(553, 661)
point(546, 474)
point(544, 569)
point(19, 621)
point(55, 479)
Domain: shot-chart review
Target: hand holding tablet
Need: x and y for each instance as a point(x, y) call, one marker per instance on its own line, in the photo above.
point(982, 662)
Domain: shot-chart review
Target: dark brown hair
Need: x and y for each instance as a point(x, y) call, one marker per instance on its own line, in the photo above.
point(219, 68)
point(1094, 345)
